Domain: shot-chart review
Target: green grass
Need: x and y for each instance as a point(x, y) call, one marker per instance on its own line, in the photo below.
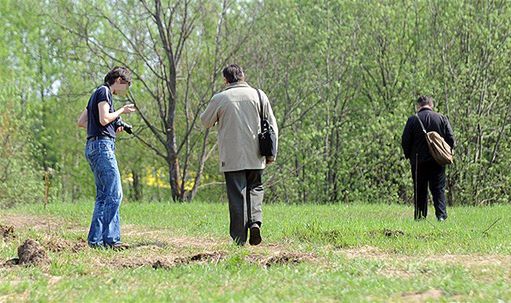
point(356, 252)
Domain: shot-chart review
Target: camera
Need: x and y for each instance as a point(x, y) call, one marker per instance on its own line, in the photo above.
point(127, 127)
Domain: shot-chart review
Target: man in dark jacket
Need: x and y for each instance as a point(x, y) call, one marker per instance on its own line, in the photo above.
point(425, 171)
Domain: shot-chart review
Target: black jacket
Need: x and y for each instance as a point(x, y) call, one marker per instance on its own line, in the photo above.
point(413, 140)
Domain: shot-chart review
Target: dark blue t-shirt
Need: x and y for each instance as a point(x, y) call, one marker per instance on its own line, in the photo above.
point(94, 128)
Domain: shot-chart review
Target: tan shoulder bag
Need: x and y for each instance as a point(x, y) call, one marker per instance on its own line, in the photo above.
point(438, 148)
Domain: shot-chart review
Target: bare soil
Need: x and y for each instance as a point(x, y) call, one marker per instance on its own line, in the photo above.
point(162, 249)
point(431, 294)
point(159, 249)
point(55, 244)
point(7, 232)
point(471, 260)
point(168, 262)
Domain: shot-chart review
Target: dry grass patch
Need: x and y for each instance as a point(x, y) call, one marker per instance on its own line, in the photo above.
point(7, 232)
point(421, 296)
point(467, 260)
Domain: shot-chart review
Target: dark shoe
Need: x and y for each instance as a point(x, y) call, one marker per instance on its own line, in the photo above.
point(255, 235)
point(119, 246)
point(96, 246)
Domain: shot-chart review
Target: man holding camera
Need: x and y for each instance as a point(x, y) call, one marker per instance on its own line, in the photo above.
point(102, 122)
point(236, 110)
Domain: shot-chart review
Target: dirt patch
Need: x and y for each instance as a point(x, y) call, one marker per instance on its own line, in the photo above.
point(389, 233)
point(393, 233)
point(60, 245)
point(51, 224)
point(7, 232)
point(149, 244)
point(395, 272)
point(169, 262)
point(375, 253)
point(207, 257)
point(364, 252)
point(35, 222)
point(280, 259)
point(32, 253)
point(472, 260)
point(286, 259)
point(432, 294)
point(162, 264)
point(146, 236)
point(192, 242)
point(214, 258)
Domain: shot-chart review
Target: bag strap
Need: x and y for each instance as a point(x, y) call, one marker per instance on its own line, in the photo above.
point(260, 104)
point(261, 113)
point(422, 125)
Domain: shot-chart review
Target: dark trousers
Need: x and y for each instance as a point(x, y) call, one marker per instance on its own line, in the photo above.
point(432, 174)
point(245, 193)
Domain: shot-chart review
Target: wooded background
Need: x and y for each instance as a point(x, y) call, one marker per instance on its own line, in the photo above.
point(342, 77)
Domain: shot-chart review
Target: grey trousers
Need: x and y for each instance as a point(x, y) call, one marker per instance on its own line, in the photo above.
point(245, 193)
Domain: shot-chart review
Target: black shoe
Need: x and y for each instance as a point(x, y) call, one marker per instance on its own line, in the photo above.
point(255, 235)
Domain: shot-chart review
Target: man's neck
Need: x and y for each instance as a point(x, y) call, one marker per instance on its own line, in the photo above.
point(425, 107)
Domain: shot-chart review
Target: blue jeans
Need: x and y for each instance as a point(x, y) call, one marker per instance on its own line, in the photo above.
point(105, 227)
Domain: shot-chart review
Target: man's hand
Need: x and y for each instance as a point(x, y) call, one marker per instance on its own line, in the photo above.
point(128, 109)
point(119, 129)
point(270, 160)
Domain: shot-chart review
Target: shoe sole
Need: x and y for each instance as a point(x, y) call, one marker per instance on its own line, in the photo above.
point(119, 247)
point(255, 236)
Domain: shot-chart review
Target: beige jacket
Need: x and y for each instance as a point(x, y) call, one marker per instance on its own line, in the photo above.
point(236, 110)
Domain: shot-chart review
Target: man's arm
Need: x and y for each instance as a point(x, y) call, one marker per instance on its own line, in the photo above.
point(210, 116)
point(82, 120)
point(106, 117)
point(407, 137)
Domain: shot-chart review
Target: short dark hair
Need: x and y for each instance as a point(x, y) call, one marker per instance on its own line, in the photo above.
point(116, 72)
point(233, 73)
point(425, 100)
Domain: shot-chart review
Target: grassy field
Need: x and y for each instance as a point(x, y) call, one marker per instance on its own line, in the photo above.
point(310, 253)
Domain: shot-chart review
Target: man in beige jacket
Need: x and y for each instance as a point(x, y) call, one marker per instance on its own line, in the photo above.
point(236, 110)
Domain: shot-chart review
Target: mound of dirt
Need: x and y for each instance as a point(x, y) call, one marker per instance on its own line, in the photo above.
point(32, 253)
point(285, 259)
point(7, 232)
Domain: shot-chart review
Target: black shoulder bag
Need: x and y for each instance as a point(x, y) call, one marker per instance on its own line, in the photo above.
point(267, 138)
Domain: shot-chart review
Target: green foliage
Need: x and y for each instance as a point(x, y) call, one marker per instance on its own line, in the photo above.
point(21, 179)
point(344, 89)
point(342, 77)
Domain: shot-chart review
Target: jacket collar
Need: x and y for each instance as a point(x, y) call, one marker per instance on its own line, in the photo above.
point(424, 108)
point(236, 84)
